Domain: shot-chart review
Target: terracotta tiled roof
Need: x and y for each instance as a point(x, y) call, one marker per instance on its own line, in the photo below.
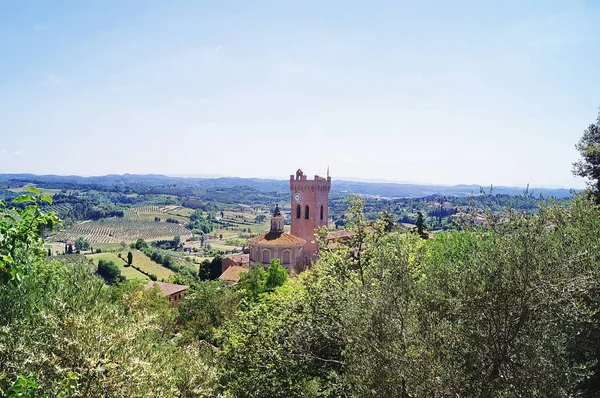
point(275, 239)
point(240, 258)
point(167, 289)
point(341, 234)
point(233, 273)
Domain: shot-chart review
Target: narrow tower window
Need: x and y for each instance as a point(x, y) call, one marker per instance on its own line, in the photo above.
point(306, 212)
point(298, 211)
point(321, 212)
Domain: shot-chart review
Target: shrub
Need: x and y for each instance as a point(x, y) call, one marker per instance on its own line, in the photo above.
point(110, 272)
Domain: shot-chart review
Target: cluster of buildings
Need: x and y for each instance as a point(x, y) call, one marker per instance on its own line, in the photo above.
point(309, 212)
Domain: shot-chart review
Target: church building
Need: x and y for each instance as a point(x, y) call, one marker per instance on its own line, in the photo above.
point(309, 212)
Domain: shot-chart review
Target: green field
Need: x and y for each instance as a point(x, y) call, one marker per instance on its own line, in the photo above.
point(128, 272)
point(106, 246)
point(180, 211)
point(140, 260)
point(144, 262)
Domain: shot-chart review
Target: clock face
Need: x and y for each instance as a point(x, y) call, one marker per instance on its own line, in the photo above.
point(297, 197)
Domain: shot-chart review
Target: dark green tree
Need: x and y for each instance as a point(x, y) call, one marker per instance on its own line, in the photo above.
point(82, 244)
point(129, 258)
point(388, 221)
point(210, 270)
point(420, 226)
point(589, 165)
point(140, 244)
point(204, 270)
point(110, 272)
point(252, 283)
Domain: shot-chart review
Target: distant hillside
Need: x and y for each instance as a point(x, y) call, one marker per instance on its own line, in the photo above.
point(391, 190)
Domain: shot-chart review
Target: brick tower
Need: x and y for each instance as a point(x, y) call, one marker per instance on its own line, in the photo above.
point(310, 205)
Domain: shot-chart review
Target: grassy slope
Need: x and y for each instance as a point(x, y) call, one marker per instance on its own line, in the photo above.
point(128, 272)
point(144, 262)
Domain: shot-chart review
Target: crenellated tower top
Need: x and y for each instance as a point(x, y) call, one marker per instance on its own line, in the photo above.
point(300, 182)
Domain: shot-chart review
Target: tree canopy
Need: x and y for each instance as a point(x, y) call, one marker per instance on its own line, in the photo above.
point(509, 309)
point(588, 166)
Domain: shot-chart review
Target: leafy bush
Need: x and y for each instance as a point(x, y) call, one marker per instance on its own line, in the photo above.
point(110, 272)
point(22, 226)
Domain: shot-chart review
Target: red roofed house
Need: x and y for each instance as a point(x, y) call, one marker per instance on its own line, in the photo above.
point(341, 235)
point(170, 290)
point(233, 274)
point(237, 259)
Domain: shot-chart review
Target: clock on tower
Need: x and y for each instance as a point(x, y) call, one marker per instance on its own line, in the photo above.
point(297, 197)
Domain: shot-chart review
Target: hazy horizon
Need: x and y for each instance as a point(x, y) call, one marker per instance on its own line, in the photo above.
point(334, 178)
point(432, 92)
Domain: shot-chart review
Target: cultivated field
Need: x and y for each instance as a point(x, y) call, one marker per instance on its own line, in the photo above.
point(116, 230)
point(60, 208)
point(44, 191)
point(149, 213)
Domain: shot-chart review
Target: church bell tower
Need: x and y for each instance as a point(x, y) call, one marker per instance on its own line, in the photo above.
point(310, 207)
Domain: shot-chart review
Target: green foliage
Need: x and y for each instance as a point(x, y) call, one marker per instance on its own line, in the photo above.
point(199, 223)
point(208, 306)
point(82, 244)
point(24, 386)
point(141, 244)
point(508, 310)
point(276, 275)
point(589, 165)
point(252, 283)
point(71, 332)
point(266, 352)
point(129, 258)
point(420, 226)
point(210, 270)
point(258, 281)
point(110, 272)
point(388, 222)
point(22, 226)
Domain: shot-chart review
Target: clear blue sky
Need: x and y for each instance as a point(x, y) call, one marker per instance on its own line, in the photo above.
point(487, 92)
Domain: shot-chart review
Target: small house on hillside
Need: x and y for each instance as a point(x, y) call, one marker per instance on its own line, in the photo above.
point(172, 291)
point(69, 244)
point(233, 274)
point(237, 259)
